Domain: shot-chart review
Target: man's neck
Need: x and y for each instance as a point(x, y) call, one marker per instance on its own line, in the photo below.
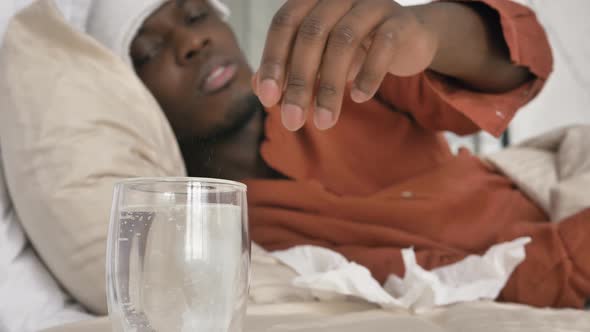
point(236, 157)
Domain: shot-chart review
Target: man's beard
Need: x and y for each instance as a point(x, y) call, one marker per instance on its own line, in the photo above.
point(239, 116)
point(199, 153)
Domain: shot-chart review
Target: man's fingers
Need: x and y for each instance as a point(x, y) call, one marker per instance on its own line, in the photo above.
point(357, 63)
point(342, 47)
point(378, 62)
point(279, 42)
point(314, 47)
point(307, 54)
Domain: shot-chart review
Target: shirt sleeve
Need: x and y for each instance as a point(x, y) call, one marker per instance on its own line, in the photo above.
point(438, 103)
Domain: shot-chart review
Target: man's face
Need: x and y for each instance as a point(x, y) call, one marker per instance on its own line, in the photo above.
point(190, 61)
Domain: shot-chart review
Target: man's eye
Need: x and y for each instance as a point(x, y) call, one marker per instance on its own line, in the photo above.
point(145, 58)
point(139, 62)
point(196, 17)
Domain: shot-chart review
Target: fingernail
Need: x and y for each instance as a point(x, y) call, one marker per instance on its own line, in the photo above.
point(324, 119)
point(293, 117)
point(358, 96)
point(269, 92)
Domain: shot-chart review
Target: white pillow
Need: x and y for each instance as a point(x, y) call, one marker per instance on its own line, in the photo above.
point(30, 299)
point(12, 239)
point(75, 12)
point(75, 119)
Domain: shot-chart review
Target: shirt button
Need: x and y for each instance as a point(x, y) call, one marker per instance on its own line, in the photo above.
point(407, 194)
point(500, 114)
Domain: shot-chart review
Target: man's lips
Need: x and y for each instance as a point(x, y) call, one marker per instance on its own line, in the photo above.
point(219, 77)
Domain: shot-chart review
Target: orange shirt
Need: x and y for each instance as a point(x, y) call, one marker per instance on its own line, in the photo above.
point(384, 178)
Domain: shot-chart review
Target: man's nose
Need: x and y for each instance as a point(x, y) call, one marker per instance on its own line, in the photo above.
point(189, 44)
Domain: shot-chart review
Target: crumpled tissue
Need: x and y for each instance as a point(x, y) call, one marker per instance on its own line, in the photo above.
point(330, 276)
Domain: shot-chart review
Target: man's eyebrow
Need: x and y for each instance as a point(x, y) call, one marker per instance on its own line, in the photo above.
point(180, 3)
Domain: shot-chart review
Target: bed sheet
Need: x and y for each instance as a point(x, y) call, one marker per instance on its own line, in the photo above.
point(277, 306)
point(342, 317)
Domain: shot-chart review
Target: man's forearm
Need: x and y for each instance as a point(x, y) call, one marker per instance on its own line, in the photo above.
point(471, 47)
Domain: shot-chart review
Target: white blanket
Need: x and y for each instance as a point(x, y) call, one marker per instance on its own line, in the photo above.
point(553, 170)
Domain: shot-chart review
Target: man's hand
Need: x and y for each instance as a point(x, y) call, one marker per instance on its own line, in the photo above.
point(315, 47)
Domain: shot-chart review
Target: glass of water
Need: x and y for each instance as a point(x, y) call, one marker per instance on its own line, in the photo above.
point(178, 255)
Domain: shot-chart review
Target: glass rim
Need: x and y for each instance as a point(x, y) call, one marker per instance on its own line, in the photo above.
point(185, 180)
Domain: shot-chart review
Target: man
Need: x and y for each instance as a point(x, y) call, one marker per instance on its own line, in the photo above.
point(346, 151)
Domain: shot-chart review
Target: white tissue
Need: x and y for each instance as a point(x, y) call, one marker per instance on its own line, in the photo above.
point(330, 276)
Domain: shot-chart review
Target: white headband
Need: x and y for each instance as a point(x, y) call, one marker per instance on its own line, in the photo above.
point(114, 23)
